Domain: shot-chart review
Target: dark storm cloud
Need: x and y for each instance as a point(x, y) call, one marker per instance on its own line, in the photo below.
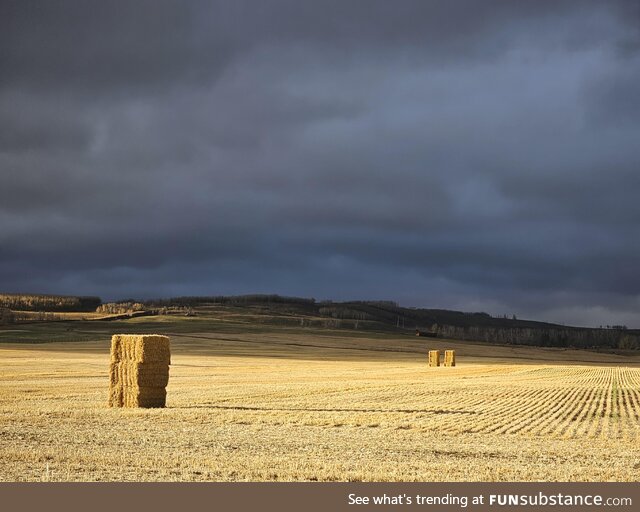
point(99, 45)
point(477, 155)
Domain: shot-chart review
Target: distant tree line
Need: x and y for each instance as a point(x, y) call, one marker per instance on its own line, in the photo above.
point(59, 303)
point(227, 299)
point(483, 327)
point(344, 313)
point(570, 337)
point(476, 326)
point(119, 308)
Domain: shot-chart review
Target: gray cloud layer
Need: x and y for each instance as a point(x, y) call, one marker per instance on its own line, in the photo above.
point(476, 155)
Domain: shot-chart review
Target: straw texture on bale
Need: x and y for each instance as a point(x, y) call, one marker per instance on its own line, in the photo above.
point(138, 374)
point(434, 358)
point(449, 357)
point(140, 348)
point(139, 370)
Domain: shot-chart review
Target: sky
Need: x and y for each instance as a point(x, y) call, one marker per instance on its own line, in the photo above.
point(478, 156)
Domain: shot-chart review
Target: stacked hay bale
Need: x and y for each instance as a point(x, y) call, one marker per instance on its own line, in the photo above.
point(434, 358)
point(139, 370)
point(449, 357)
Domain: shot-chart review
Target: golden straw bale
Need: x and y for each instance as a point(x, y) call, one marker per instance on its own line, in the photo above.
point(114, 377)
point(140, 374)
point(139, 370)
point(140, 348)
point(449, 357)
point(116, 396)
point(434, 358)
point(145, 397)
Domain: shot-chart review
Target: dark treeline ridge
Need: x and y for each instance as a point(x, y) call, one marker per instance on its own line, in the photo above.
point(569, 337)
point(484, 327)
point(224, 299)
point(56, 303)
point(444, 323)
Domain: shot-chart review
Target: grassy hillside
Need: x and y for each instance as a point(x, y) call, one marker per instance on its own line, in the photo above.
point(370, 316)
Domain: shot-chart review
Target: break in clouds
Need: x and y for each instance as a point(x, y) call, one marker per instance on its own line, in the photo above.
point(480, 156)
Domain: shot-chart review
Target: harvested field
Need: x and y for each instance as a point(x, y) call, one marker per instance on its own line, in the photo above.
point(306, 407)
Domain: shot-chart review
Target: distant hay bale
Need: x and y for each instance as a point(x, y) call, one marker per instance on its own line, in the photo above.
point(139, 370)
point(434, 358)
point(449, 357)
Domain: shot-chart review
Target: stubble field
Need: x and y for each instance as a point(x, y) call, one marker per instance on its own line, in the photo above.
point(308, 406)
